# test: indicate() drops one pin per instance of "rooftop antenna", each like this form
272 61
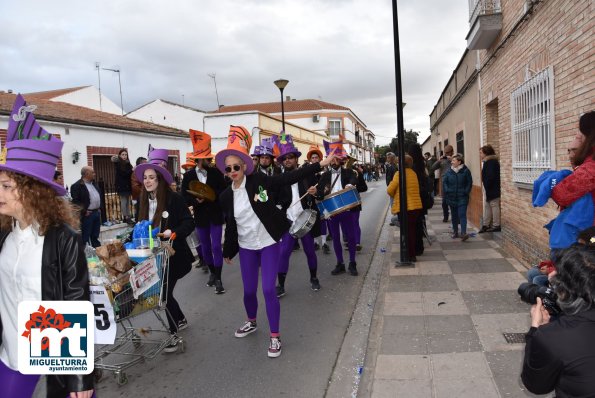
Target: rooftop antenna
99 80
213 76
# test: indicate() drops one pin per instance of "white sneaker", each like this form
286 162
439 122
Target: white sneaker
274 347
246 329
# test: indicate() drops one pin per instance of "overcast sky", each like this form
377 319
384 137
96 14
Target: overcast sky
340 51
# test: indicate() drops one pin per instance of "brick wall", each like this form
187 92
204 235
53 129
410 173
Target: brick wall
558 33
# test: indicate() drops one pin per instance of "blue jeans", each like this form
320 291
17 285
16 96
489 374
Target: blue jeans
535 276
90 226
459 216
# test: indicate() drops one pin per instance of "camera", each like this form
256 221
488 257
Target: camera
530 291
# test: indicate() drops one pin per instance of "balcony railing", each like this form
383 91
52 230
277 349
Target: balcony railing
483 7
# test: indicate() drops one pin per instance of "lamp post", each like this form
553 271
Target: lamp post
281 84
120 84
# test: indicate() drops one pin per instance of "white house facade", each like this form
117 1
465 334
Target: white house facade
170 114
85 96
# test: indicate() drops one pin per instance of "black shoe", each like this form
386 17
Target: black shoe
445 219
358 247
211 281
483 229
316 246
183 324
339 269
280 291
326 249
205 268
315 284
219 289
296 246
353 269
494 229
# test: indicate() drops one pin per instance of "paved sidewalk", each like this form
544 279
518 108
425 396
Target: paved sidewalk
438 327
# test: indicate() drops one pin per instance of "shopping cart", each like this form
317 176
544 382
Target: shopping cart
140 336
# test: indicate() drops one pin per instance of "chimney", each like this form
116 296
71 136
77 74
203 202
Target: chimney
287 98
9 91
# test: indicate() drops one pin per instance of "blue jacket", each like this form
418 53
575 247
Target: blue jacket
457 186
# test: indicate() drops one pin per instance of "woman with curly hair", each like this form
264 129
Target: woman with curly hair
41 255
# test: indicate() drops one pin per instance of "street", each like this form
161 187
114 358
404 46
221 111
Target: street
313 325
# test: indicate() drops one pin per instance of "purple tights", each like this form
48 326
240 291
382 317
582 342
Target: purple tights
210 244
345 221
287 243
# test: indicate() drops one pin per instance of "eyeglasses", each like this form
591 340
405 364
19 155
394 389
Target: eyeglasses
236 167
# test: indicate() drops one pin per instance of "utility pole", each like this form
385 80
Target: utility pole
213 76
120 84
99 80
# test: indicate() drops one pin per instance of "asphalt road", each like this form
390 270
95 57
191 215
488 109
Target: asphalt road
216 364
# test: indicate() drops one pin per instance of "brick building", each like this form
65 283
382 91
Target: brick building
535 66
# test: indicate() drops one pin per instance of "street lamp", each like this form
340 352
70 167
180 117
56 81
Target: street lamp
120 84
281 84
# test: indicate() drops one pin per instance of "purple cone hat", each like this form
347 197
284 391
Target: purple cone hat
158 162
286 147
30 150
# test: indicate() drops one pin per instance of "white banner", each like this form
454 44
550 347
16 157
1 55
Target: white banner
105 320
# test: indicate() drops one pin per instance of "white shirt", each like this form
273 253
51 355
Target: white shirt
152 208
252 234
201 177
294 211
94 199
20 279
337 187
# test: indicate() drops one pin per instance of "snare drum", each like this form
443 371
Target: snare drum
339 202
303 224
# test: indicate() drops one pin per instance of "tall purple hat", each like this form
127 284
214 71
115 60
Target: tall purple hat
158 162
260 150
29 149
286 147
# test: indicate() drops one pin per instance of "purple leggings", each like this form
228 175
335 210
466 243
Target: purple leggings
358 230
210 244
322 226
345 221
268 259
287 243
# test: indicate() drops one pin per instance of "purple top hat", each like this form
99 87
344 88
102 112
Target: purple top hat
260 150
158 162
286 147
30 150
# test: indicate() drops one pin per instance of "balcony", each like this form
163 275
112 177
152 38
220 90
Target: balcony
485 19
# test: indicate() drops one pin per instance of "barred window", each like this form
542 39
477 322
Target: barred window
532 116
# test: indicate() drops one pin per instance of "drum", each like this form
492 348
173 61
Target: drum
202 191
339 202
303 224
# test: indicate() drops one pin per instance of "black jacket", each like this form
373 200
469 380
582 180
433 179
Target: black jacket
80 195
390 172
560 356
490 176
205 213
64 276
274 219
123 183
308 201
324 188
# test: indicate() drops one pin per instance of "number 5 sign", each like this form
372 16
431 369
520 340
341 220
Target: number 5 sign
105 322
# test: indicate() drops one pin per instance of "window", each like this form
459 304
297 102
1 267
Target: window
460 143
334 127
533 127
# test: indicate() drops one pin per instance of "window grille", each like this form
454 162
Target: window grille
532 117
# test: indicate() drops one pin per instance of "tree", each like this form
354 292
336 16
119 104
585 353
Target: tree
381 151
410 138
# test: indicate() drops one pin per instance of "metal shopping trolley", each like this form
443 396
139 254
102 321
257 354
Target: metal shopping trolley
134 296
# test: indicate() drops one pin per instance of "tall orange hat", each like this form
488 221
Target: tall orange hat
201 144
239 142
190 161
314 149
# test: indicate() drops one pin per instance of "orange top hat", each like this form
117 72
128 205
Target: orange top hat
239 142
201 144
190 161
314 149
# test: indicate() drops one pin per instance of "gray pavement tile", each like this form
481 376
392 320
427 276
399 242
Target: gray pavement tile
402 389
403 324
432 256
466 388
403 303
471 254
449 323
459 365
489 281
481 266
494 302
448 342
402 367
506 369
404 344
421 283
490 327
444 303
470 244
433 267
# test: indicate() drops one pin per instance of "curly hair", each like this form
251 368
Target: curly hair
41 205
574 282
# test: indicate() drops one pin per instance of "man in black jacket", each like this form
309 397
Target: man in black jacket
87 195
490 177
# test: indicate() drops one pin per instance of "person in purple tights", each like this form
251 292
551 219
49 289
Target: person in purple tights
208 215
254 227
306 190
330 182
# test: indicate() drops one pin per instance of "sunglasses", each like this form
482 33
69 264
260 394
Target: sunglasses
236 167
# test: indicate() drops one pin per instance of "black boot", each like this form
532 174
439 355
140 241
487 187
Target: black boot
339 269
212 277
353 268
281 286
219 289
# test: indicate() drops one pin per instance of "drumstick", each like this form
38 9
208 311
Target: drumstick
300 199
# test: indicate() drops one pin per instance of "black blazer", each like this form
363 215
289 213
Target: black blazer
308 201
80 195
560 355
324 188
274 219
123 183
205 213
64 276
490 176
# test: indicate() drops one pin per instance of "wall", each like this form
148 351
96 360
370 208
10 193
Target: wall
170 115
557 33
88 97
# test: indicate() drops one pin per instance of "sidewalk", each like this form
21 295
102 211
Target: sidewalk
438 327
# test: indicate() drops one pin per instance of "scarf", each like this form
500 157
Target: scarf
458 168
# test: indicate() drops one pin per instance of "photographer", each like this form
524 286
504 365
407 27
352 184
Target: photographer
560 355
